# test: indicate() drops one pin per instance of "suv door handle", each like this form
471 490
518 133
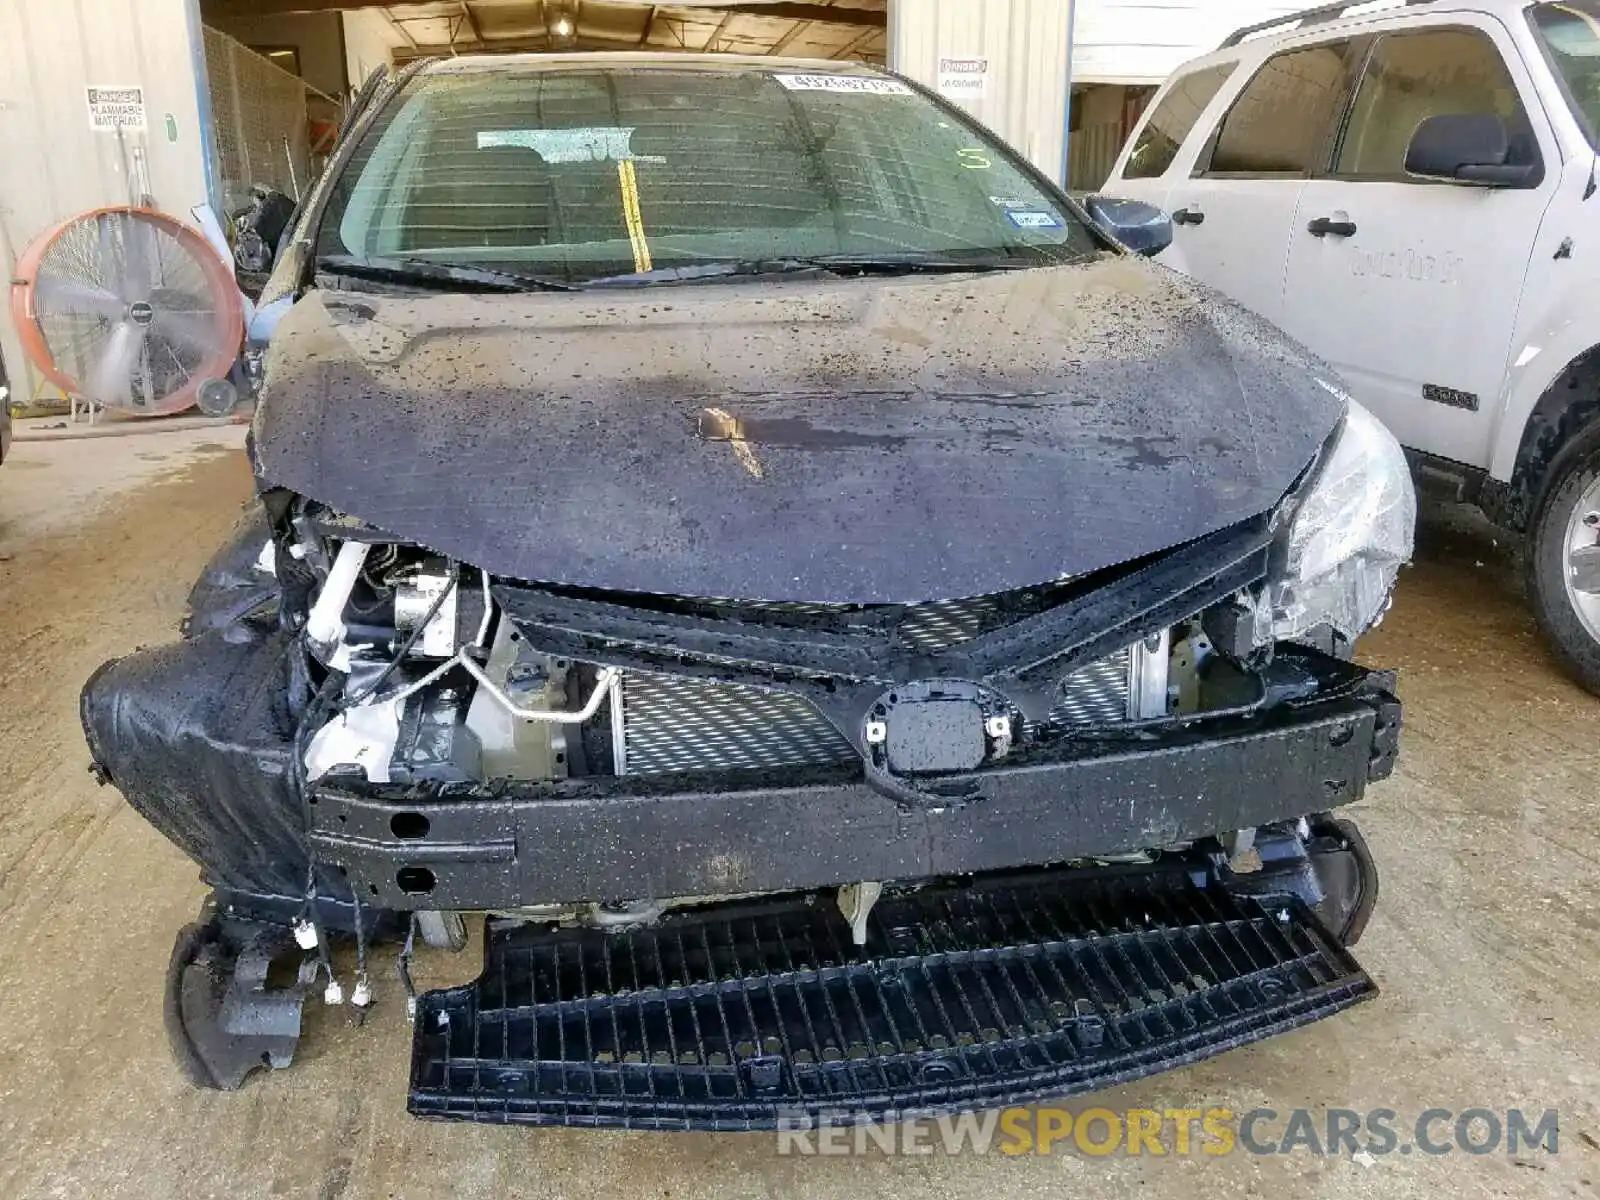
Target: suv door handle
1323 226
1188 216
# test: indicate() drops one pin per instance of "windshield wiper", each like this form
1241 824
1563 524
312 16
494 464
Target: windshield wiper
897 264
830 264
423 272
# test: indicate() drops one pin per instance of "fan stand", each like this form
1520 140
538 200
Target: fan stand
90 409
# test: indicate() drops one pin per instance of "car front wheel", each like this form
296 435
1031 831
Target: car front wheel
1564 562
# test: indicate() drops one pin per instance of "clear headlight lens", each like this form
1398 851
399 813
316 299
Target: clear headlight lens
1349 536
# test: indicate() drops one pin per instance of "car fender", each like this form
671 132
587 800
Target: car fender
1564 332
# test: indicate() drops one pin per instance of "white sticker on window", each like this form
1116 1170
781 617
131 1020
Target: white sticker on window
594 143
844 83
1034 220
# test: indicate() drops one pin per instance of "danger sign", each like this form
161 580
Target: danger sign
964 78
113 108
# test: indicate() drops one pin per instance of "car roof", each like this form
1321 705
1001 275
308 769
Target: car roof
468 64
1335 18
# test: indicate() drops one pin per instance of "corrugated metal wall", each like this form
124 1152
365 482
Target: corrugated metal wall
1026 45
1100 125
1141 41
52 164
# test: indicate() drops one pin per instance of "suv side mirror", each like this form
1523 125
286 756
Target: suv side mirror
1466 148
1142 228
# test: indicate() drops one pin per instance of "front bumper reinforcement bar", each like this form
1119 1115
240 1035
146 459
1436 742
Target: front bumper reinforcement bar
611 839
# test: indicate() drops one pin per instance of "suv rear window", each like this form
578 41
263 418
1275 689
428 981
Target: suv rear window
1173 120
1413 76
583 173
1283 117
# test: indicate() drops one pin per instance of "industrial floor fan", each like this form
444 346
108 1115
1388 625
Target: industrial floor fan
132 310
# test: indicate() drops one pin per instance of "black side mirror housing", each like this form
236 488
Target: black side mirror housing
1467 148
1142 228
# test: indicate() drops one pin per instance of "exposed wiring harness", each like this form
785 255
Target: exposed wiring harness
327 702
402 968
361 994
405 647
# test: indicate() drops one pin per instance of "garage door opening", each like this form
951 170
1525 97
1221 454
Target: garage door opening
281 71
856 30
335 44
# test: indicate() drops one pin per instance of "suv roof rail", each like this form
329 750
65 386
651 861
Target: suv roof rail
1300 20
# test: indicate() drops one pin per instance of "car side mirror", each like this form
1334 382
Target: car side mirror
1142 228
1466 148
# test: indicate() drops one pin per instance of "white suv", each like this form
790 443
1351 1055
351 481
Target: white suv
1411 192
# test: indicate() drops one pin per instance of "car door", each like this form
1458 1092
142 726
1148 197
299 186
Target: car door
1410 287
1232 215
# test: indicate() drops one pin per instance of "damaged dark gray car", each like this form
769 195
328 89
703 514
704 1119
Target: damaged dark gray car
870 641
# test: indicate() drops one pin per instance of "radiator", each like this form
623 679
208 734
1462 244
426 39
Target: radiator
668 723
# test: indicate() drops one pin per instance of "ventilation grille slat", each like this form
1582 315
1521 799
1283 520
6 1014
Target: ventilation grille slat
742 1015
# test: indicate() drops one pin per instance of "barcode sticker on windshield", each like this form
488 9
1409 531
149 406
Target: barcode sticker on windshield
1033 220
844 83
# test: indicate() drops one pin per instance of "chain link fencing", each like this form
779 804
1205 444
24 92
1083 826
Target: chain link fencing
258 113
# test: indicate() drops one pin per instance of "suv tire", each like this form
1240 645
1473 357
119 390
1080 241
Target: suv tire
1574 481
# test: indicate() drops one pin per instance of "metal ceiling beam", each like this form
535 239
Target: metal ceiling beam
533 45
398 27
783 43
276 8
537 44
649 24
472 23
855 43
711 42
835 14
494 45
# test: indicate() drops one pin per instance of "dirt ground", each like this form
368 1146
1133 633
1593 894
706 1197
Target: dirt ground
1486 941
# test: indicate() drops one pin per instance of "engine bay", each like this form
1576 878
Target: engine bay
357 735
433 681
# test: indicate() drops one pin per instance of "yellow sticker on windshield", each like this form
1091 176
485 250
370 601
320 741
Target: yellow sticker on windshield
629 180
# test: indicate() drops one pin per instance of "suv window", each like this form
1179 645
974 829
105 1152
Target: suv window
1413 76
1284 115
1173 120
1570 31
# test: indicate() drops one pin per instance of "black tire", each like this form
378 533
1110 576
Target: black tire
1574 470
192 941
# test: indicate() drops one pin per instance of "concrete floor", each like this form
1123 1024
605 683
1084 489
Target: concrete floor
1485 941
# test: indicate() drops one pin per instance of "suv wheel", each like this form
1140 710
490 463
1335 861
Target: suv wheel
1564 565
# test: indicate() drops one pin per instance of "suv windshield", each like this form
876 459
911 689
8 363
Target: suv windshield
571 174
1570 31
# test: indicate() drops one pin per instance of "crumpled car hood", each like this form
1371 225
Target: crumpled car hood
838 441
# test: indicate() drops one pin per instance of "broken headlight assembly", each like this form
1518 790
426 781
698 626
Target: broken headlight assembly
1348 533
